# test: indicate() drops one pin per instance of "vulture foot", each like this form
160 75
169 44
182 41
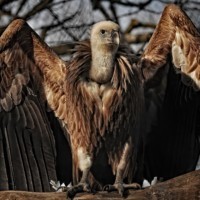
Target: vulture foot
81 187
121 187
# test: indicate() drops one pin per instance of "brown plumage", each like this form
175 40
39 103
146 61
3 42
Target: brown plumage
97 97
170 66
105 105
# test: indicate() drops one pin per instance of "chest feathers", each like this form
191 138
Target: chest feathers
96 106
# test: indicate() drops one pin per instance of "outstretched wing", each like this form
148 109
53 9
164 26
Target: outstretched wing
30 75
172 142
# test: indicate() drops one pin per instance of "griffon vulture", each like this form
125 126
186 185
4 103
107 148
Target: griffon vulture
97 97
170 66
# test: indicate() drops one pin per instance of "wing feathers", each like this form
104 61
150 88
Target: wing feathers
3 169
16 89
13 77
27 68
6 103
26 138
19 179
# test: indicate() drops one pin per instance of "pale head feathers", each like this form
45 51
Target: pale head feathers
104 41
105 34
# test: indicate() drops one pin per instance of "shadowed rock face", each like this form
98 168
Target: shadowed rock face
184 187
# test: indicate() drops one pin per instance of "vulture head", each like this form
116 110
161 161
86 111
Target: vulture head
105 40
105 36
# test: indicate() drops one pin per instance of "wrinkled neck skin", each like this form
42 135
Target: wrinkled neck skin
102 65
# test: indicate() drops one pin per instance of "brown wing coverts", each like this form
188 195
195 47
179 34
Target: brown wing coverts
176 35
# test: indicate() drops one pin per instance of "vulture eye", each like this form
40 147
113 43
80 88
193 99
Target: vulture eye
102 31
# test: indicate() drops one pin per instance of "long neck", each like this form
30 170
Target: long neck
102 66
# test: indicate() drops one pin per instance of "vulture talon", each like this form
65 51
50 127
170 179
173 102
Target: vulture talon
121 187
109 188
132 186
81 187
